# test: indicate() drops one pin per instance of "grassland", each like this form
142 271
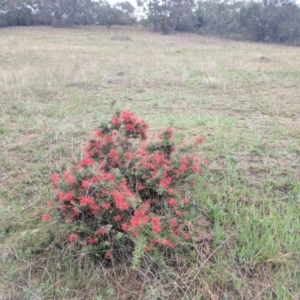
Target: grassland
57 85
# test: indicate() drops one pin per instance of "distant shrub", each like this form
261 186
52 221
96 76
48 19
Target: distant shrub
202 31
127 190
296 42
236 37
164 26
56 22
3 22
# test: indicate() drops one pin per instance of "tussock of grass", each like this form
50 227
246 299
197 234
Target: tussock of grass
58 84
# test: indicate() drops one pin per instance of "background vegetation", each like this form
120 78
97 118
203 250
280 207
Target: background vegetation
267 20
57 85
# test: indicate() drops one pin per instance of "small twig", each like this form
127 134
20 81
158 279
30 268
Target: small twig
19 286
259 294
206 260
55 277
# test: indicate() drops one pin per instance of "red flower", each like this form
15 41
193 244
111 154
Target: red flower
94 208
86 162
47 217
135 221
73 238
62 207
103 164
156 226
100 231
69 178
170 191
139 186
128 116
130 127
195 168
125 226
186 199
128 155
65 196
115 133
112 153
75 212
145 219
55 178
165 182
132 124
140 212
85 183
88 153
115 120
170 132
69 196
184 164
106 205
179 213
159 159
173 202
117 218
92 240
109 254
139 218
147 203
199 140
173 223
120 200
109 177
187 236
149 247
98 133
87 200
166 242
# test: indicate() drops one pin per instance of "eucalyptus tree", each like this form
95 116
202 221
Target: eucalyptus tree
154 10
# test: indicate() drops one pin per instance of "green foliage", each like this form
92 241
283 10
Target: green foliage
139 249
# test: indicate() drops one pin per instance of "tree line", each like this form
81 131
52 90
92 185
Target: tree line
65 13
265 20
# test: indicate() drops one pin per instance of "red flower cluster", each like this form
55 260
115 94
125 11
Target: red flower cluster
156 226
128 183
139 218
47 217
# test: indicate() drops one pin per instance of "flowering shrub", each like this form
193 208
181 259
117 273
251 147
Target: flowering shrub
126 186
